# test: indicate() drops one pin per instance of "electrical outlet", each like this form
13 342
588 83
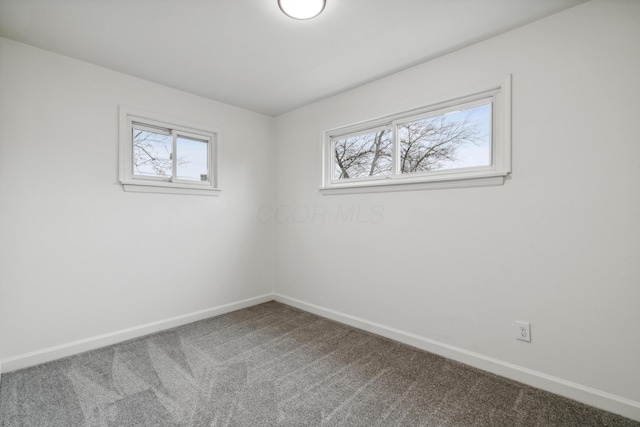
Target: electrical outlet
523 331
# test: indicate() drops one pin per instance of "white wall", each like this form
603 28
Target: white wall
79 257
557 245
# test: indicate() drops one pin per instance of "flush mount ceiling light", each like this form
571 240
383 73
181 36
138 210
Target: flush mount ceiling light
302 9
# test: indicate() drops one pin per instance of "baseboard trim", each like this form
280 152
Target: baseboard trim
59 351
597 398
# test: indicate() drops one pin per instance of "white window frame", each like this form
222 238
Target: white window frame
130 118
497 95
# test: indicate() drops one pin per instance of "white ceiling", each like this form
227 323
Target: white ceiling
249 54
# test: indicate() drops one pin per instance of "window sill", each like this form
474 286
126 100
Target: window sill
137 188
396 185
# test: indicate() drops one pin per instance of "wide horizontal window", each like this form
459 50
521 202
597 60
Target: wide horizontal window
461 142
157 155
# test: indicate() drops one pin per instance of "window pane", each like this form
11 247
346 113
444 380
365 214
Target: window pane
191 159
451 141
367 154
151 153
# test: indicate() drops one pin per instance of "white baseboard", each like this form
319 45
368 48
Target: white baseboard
590 396
76 347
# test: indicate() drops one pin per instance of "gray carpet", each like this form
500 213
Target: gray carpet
273 365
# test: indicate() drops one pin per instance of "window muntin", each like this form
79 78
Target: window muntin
457 143
158 155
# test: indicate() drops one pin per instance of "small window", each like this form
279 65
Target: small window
452 140
363 154
461 142
160 155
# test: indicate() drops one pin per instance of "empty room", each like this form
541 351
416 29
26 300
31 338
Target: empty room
319 213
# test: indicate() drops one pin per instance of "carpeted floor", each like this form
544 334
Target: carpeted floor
273 365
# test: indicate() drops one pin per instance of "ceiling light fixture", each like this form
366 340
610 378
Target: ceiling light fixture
302 9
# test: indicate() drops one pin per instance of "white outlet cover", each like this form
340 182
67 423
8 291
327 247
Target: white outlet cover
523 331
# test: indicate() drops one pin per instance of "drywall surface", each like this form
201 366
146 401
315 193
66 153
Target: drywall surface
558 245
80 257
